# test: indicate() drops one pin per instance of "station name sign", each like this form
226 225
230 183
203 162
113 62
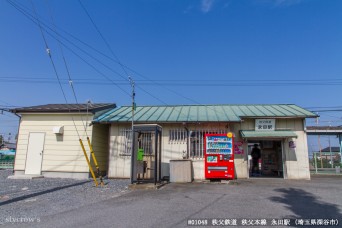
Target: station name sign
265 124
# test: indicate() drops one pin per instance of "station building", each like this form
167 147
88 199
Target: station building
278 129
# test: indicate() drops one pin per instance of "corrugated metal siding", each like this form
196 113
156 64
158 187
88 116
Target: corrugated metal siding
203 113
61 153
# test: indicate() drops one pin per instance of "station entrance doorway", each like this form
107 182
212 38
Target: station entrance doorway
269 163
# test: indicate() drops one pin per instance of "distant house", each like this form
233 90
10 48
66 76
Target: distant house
7 149
48 139
325 153
8 146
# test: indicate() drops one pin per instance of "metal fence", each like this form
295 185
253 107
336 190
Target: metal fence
325 164
5 164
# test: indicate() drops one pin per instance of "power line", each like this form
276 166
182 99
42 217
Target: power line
53 65
49 53
29 16
331 110
63 56
116 57
149 82
103 38
191 83
142 89
68 72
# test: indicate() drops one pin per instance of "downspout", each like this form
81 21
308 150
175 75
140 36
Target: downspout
187 142
16 143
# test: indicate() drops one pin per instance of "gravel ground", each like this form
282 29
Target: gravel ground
48 196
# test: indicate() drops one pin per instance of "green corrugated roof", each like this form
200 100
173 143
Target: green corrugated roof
268 134
202 113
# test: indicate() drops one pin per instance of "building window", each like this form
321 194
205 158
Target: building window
196 147
145 142
125 147
177 136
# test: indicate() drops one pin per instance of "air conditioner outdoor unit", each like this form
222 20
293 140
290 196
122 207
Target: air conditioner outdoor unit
58 130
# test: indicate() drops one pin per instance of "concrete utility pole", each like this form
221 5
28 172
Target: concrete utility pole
132 133
133 100
331 160
340 142
319 142
320 150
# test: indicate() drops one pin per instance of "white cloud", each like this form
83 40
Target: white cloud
206 5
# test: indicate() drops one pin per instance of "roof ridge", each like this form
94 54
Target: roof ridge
175 105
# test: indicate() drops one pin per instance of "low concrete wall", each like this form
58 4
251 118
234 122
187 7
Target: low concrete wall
76 175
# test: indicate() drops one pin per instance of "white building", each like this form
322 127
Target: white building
48 139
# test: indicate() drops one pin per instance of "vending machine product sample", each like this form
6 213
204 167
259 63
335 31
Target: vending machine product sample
219 156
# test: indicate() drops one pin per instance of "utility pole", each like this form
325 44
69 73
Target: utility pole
132 133
319 143
320 150
331 160
133 99
340 142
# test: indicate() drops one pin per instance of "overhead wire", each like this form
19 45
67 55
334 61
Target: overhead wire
53 64
123 66
187 83
67 70
34 20
181 83
103 38
62 52
115 56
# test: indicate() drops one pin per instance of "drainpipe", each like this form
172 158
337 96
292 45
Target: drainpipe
187 142
16 148
340 142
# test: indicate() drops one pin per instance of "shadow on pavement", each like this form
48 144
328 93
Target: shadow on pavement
40 193
306 205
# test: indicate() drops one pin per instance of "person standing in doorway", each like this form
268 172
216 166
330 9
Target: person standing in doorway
256 155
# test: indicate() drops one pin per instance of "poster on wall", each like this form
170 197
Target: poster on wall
238 147
292 145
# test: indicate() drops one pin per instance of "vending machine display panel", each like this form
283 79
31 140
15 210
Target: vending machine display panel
219 156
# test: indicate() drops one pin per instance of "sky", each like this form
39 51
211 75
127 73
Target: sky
177 52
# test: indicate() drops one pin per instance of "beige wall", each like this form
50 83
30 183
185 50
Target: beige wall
119 165
296 163
100 144
296 160
62 153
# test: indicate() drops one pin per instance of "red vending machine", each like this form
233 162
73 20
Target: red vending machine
219 156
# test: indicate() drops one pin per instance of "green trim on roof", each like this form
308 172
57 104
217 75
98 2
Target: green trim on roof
268 134
203 113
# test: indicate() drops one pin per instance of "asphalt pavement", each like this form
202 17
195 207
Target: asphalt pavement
239 202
